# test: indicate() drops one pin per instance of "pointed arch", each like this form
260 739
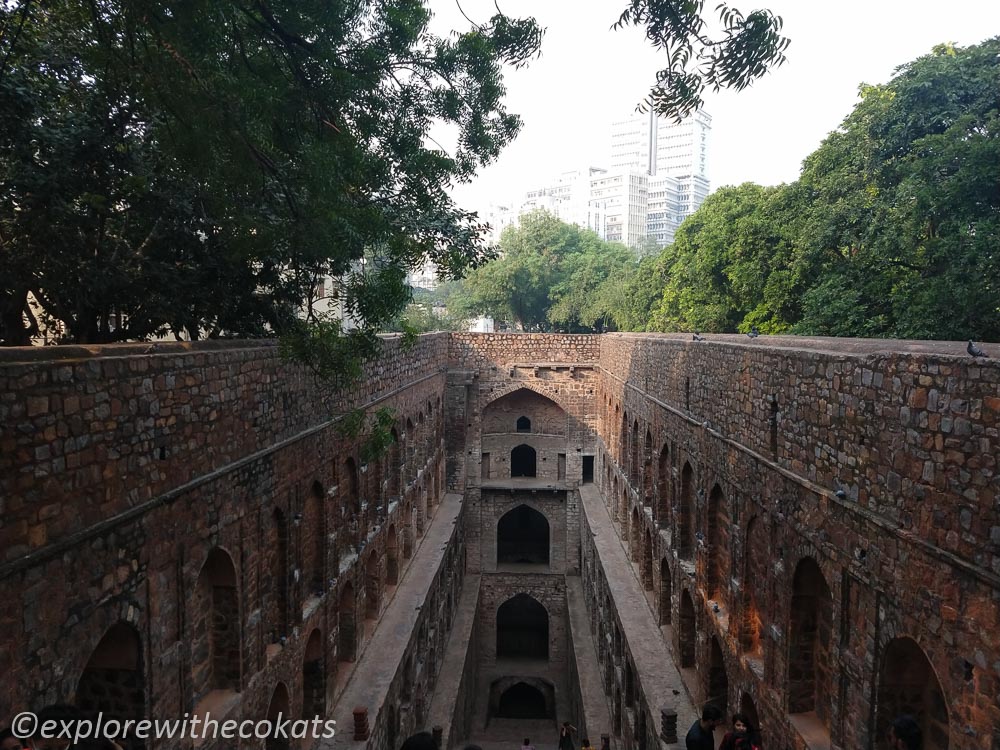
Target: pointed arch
522 628
216 634
313 677
717 543
687 635
647 471
685 515
810 630
663 487
666 592
523 537
112 683
907 684
347 639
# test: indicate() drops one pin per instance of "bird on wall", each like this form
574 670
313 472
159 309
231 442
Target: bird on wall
974 350
754 333
696 337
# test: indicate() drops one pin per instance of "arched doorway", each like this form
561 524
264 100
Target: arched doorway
523 537
685 512
687 634
718 542
809 678
313 677
522 701
718 681
347 630
663 488
666 592
523 461
391 557
522 629
635 543
373 587
215 617
647 561
277 710
523 424
907 685
647 471
112 681
749 709
755 572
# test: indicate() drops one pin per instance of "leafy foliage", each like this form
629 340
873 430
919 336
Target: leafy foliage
377 429
197 168
745 49
549 275
892 230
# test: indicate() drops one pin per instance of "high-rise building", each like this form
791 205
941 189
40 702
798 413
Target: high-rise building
675 156
660 147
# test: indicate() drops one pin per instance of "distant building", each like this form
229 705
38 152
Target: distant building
658 177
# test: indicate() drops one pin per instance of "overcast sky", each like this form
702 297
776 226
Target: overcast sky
589 75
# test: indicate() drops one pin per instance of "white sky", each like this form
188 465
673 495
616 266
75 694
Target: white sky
589 75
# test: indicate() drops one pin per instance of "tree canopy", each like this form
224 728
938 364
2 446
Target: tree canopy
196 168
892 230
549 274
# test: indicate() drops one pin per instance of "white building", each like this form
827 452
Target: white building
675 156
622 196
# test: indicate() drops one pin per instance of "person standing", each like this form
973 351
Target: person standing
700 736
526 745
566 732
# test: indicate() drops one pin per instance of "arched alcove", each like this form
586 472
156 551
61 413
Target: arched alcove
811 626
663 487
633 471
523 537
518 697
687 635
524 410
277 549
685 513
112 682
522 629
666 591
215 627
523 461
908 685
717 543
522 701
373 588
647 561
313 677
278 710
754 575
647 471
717 690
347 625
391 557
313 540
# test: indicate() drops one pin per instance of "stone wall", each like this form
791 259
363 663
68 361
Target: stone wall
872 463
124 470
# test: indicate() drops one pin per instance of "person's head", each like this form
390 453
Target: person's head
420 741
904 734
586 742
741 723
711 716
527 741
565 723
8 741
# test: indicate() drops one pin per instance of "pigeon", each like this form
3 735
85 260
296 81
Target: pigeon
840 493
696 337
754 333
974 350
